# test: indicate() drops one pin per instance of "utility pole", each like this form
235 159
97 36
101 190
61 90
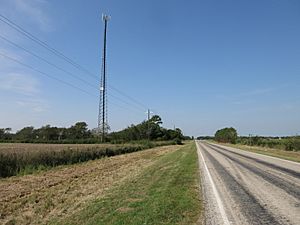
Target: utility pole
148 122
102 116
148 114
250 139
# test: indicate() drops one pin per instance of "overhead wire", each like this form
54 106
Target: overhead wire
61 69
124 107
43 44
129 97
125 102
32 37
55 78
59 54
46 61
43 73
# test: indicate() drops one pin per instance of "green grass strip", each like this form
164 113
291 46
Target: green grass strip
167 192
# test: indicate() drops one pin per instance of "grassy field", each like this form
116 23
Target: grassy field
283 154
167 192
155 186
20 158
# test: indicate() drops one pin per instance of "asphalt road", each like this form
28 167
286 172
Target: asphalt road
240 187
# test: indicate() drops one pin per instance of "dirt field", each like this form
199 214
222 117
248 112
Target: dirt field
35 199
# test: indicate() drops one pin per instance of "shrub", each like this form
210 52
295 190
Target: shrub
226 135
178 141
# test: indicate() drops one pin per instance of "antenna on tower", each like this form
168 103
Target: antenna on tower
105 17
102 116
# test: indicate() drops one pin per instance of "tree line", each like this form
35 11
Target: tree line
47 133
79 133
150 129
229 135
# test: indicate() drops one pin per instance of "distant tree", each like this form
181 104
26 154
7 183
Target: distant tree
226 135
47 133
62 133
150 129
5 134
79 131
205 138
25 134
171 134
156 119
2 132
255 140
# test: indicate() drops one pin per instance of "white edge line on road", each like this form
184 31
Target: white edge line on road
254 153
215 191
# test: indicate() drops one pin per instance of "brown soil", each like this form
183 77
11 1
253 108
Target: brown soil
36 199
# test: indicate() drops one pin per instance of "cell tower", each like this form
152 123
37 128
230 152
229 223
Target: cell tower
102 116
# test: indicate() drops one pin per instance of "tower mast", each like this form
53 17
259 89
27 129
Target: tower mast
102 116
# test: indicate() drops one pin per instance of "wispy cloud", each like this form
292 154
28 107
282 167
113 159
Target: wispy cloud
20 88
19 83
261 91
34 104
249 96
34 10
23 91
6 65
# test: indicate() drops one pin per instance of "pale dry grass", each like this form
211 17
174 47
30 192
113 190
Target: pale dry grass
36 199
9 148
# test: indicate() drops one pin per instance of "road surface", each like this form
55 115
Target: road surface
241 187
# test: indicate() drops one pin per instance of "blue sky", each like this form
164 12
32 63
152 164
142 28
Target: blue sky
200 65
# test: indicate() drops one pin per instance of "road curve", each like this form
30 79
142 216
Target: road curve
241 187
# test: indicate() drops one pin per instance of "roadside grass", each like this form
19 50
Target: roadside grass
283 154
67 189
167 192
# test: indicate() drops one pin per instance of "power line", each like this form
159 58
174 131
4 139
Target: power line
43 44
132 99
43 73
59 54
61 69
57 79
124 107
46 61
125 102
